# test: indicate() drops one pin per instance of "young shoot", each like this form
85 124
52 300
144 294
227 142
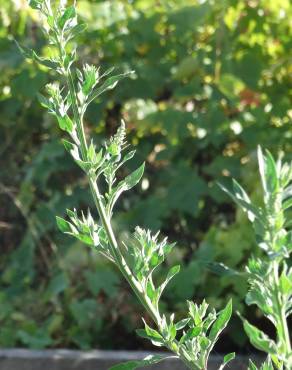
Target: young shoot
270 278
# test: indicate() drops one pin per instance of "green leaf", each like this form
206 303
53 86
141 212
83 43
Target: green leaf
63 225
68 146
74 31
74 151
109 84
104 279
57 285
268 172
255 296
241 198
221 269
31 54
152 332
44 101
221 322
149 333
227 359
84 238
271 173
252 366
287 193
259 339
182 323
286 284
68 14
267 365
261 163
91 77
38 340
230 85
154 340
131 180
132 365
35 4
65 123
287 204
191 333
171 273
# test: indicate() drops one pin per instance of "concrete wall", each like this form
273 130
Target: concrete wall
22 359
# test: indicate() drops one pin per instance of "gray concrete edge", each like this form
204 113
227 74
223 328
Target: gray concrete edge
64 359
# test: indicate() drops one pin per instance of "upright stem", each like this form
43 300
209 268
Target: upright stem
283 333
115 250
116 253
282 327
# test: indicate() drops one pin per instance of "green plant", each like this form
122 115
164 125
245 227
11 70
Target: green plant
192 338
270 279
183 121
267 365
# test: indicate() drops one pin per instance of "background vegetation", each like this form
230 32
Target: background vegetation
213 80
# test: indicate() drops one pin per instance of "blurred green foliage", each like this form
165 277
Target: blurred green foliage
212 80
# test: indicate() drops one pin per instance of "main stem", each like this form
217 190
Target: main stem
119 259
282 327
283 333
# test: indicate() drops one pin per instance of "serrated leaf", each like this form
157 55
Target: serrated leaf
259 339
132 365
221 322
